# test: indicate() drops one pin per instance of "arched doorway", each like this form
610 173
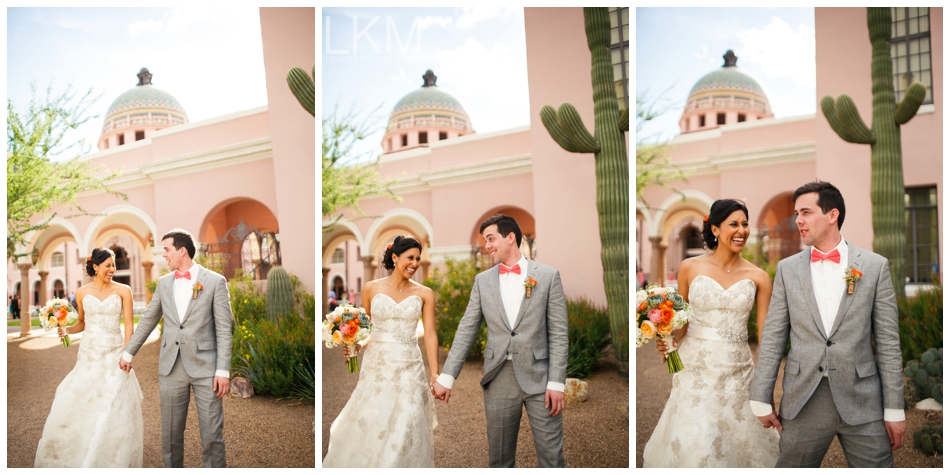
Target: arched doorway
341 256
529 240
241 234
777 229
59 290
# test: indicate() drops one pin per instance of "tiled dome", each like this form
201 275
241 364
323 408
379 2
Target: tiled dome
145 99
728 81
429 106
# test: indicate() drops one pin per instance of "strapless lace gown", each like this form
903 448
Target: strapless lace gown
96 417
707 421
389 419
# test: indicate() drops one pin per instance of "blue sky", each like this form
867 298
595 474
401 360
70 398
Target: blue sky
677 46
210 59
478 55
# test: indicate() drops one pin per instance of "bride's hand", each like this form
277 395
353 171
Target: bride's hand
62 333
662 348
347 353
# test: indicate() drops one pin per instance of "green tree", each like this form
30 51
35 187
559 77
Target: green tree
347 177
653 164
35 181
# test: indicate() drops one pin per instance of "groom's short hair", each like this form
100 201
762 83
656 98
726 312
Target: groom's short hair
829 197
181 239
506 225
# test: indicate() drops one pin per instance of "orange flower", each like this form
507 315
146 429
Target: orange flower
664 328
642 306
856 273
353 330
666 315
648 329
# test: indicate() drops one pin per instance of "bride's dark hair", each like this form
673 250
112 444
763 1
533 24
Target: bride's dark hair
718 212
399 245
97 257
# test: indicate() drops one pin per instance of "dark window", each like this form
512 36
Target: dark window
921 233
121 139
720 119
910 50
702 121
620 53
338 257
423 137
139 135
741 117
443 135
405 140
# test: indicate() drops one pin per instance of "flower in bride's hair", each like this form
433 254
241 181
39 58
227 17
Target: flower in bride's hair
664 328
648 329
654 315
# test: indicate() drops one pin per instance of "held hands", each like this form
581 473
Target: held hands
125 365
554 400
441 392
895 432
771 420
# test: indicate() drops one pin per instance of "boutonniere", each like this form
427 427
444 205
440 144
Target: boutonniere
851 276
197 288
529 284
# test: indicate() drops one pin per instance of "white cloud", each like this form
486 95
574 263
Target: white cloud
780 51
429 20
474 15
151 26
702 55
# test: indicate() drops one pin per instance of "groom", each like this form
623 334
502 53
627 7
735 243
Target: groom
526 354
833 384
196 349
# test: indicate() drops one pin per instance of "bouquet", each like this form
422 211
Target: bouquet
57 313
660 310
347 325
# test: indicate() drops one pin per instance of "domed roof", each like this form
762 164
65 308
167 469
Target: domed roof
728 81
145 99
419 107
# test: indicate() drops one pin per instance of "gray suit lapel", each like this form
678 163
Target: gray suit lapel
494 290
525 301
202 276
854 260
809 289
168 292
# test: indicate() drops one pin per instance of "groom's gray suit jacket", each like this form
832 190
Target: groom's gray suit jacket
860 385
201 337
538 341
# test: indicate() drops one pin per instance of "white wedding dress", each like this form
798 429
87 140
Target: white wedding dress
389 418
707 421
96 418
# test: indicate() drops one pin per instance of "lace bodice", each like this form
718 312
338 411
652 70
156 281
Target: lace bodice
718 308
102 316
398 319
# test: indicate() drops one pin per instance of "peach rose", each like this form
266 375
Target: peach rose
648 329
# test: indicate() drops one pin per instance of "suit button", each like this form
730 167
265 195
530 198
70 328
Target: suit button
821 368
512 333
507 353
181 327
829 343
176 342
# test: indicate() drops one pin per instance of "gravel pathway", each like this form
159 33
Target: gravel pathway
258 432
596 432
653 389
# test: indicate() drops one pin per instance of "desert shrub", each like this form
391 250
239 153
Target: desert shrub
452 286
920 322
588 333
755 254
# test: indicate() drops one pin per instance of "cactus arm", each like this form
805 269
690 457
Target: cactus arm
828 109
624 122
849 117
571 123
303 87
549 119
907 109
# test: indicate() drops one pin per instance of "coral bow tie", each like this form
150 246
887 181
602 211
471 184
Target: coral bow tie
514 270
833 256
186 275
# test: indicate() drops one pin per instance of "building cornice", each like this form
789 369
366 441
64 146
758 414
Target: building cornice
717 163
416 152
499 167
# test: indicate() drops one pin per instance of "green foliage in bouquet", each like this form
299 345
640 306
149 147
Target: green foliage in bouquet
926 375
588 333
921 321
930 439
453 286
280 294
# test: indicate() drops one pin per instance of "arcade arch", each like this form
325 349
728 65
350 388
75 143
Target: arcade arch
528 234
240 233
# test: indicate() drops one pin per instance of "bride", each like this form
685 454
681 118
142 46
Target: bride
96 417
707 421
389 419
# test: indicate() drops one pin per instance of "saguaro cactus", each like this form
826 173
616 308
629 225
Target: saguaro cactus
884 137
303 87
610 164
280 294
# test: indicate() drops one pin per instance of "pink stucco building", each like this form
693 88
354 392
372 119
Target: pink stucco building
242 183
455 178
763 161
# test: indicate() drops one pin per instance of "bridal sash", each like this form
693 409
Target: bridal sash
393 338
716 334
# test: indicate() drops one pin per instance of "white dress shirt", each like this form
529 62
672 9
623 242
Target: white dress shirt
512 290
828 284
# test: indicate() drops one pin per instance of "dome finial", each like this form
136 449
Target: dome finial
730 59
429 78
145 77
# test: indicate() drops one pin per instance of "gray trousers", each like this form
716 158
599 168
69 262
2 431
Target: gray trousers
503 401
806 438
175 394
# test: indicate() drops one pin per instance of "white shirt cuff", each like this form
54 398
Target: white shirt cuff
760 409
126 356
445 380
893 415
222 374
555 386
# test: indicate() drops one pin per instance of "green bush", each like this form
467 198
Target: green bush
452 286
930 439
921 322
754 254
588 333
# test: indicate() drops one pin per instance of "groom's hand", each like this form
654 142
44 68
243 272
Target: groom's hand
221 386
441 392
771 420
895 432
125 365
554 400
